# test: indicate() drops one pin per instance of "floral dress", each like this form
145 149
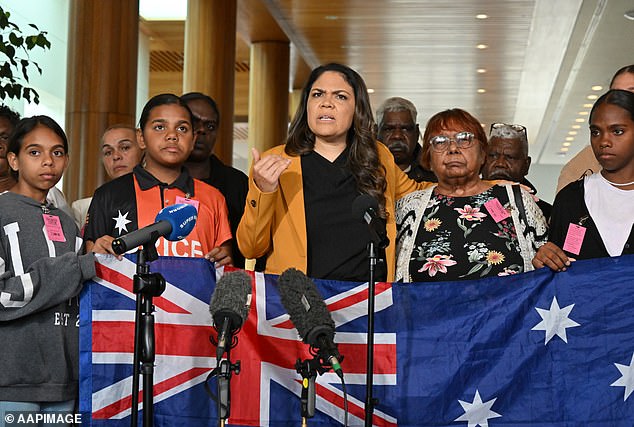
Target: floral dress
461 238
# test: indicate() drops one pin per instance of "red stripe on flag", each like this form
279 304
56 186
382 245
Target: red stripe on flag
353 409
355 357
171 340
124 404
124 282
358 297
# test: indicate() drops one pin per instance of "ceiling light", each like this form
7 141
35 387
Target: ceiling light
587 105
580 120
583 113
629 15
570 138
482 16
482 46
572 132
163 10
481 90
576 127
566 144
370 90
593 97
563 149
481 70
597 87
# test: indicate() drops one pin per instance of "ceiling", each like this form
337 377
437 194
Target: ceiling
539 63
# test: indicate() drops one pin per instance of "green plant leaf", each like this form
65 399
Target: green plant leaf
14 71
16 40
25 64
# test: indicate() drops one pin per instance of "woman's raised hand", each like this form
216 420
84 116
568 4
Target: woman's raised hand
267 170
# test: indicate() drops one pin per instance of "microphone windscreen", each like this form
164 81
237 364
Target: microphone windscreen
362 203
231 298
305 305
182 217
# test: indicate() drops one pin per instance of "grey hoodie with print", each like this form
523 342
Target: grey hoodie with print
40 279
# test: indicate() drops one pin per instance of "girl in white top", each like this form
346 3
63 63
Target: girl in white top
592 217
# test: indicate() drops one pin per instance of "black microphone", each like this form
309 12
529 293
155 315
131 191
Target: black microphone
309 314
229 306
174 222
366 208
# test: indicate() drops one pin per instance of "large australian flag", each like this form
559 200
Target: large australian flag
539 349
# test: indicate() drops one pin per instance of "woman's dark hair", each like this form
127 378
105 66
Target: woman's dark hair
620 98
162 99
627 69
454 119
363 158
25 126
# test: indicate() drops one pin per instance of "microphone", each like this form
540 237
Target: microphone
229 306
173 222
309 314
366 208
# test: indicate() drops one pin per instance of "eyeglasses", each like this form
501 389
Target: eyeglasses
441 143
516 128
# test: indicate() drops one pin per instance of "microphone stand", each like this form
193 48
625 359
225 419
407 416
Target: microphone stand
146 285
224 390
223 371
308 369
369 400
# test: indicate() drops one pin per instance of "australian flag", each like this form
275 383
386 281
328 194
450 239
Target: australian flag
539 349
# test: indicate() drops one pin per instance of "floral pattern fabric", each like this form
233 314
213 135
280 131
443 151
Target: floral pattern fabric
458 239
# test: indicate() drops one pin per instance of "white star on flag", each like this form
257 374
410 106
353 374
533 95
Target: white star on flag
121 222
555 321
627 378
477 413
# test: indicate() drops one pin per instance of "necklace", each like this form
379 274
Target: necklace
625 184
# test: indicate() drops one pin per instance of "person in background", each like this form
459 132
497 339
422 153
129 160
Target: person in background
585 162
299 206
207 167
592 217
507 158
398 130
8 120
120 153
42 274
132 201
464 228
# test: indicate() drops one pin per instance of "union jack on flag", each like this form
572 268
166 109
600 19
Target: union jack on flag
267 390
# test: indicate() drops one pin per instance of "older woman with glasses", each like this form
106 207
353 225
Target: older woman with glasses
463 227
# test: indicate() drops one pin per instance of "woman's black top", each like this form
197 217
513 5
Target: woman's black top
337 241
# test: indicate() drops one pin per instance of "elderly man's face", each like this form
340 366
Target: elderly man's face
505 159
400 134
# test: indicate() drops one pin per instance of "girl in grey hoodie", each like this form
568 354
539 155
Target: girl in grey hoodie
41 275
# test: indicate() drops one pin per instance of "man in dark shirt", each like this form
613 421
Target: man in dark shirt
507 158
205 166
398 130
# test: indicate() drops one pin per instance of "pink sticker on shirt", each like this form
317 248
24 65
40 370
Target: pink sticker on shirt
574 239
54 228
181 199
496 210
